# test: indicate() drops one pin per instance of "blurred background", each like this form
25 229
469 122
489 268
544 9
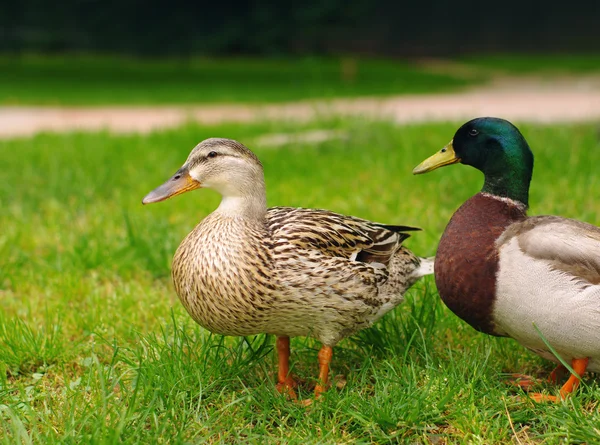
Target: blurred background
522 60
269 27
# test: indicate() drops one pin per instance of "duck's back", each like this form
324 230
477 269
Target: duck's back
467 260
347 271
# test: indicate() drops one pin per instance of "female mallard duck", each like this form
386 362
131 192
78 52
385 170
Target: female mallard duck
246 269
535 279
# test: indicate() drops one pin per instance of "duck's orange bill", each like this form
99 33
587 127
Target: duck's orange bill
179 183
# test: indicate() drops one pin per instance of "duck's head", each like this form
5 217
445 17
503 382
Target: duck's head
224 165
494 146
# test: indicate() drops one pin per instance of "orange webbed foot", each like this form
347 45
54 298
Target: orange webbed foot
538 397
579 365
523 381
288 387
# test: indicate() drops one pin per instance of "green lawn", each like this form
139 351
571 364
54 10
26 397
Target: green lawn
86 80
95 347
94 80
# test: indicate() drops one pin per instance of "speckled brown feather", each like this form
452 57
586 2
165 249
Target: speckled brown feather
336 235
467 258
293 273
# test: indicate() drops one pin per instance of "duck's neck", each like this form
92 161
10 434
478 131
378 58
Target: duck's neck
246 197
507 187
243 206
509 181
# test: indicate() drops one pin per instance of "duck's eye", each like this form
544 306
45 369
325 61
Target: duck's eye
473 132
212 154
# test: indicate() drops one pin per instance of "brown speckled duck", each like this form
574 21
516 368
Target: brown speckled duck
246 269
535 279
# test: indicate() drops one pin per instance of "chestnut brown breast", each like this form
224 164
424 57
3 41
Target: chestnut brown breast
467 260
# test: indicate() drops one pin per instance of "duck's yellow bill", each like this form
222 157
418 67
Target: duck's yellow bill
179 183
445 156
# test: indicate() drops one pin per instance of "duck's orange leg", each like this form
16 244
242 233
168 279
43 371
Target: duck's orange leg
286 383
324 357
579 365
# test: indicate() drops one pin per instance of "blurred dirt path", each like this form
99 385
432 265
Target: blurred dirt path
536 100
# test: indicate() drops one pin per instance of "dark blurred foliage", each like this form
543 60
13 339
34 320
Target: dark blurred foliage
416 28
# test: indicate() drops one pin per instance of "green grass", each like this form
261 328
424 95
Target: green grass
80 80
93 80
95 347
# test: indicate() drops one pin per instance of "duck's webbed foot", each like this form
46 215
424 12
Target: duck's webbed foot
523 381
579 365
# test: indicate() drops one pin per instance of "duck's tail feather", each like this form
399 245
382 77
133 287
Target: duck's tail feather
425 268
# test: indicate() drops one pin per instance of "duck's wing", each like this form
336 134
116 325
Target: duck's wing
336 235
566 244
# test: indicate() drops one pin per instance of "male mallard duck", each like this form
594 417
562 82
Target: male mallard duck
246 269
508 274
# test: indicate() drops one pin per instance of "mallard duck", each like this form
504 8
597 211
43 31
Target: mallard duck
248 269
535 279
